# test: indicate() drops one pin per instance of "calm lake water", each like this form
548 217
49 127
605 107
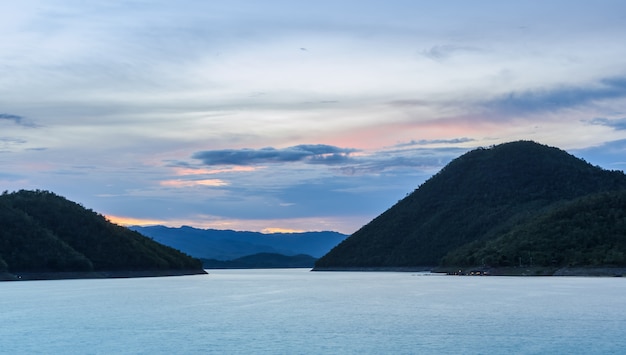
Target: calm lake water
300 312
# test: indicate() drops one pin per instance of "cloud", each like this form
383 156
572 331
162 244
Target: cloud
397 166
18 120
399 159
434 141
6 143
374 166
186 170
191 183
443 52
402 160
617 124
9 176
11 140
560 98
8 117
308 153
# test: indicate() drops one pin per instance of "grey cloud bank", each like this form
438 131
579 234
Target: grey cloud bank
618 124
561 97
318 154
18 120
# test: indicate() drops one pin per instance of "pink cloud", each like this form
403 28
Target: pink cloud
191 183
202 171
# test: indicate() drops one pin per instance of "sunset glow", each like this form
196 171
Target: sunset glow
191 183
131 221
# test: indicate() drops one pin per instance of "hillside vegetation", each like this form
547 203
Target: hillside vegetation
45 233
489 206
590 231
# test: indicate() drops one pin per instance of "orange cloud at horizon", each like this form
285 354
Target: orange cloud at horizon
346 225
132 221
271 230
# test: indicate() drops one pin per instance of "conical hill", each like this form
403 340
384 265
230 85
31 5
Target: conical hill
478 196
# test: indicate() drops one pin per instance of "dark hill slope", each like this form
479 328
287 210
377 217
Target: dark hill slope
26 246
477 196
43 232
589 231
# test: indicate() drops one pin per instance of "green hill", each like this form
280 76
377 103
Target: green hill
480 197
589 231
44 235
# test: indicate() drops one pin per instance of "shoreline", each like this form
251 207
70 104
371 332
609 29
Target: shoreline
70 275
487 271
376 269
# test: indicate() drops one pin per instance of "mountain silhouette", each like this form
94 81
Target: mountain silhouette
44 235
483 195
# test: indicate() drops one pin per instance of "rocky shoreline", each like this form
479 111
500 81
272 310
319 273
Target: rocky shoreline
545 271
486 271
614 271
27 276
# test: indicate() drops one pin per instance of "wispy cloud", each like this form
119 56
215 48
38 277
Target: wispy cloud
6 143
415 155
445 51
558 98
10 177
184 171
12 140
434 141
402 160
191 183
18 120
618 124
308 153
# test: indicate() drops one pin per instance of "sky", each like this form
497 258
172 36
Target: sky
293 115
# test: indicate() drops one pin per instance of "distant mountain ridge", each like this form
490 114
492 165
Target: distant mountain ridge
228 244
477 198
44 235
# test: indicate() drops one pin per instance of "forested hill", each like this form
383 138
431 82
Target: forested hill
479 197
45 234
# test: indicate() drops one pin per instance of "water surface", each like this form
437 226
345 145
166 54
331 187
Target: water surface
300 312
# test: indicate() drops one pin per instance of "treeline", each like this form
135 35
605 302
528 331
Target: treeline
43 232
480 197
